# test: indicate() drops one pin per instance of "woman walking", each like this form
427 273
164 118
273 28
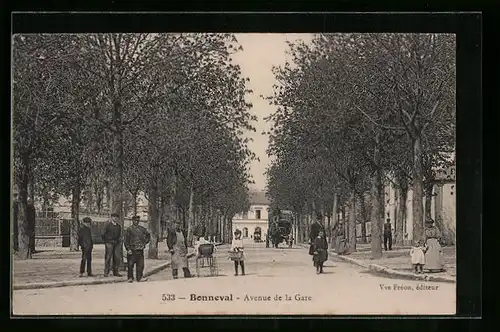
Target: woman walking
434 254
320 252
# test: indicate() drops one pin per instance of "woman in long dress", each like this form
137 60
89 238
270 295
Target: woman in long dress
340 241
434 260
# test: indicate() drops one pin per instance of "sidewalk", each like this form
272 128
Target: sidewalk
397 263
57 267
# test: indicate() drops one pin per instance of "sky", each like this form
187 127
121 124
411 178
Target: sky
260 53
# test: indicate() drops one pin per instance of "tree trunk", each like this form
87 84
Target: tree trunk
364 217
134 202
23 251
153 221
190 217
418 218
75 216
401 218
352 221
428 200
376 194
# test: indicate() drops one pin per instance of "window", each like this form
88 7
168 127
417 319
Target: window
257 214
245 232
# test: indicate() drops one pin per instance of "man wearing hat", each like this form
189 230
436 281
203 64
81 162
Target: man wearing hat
86 244
111 237
177 245
135 240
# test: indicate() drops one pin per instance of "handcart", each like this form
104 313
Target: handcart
207 259
235 255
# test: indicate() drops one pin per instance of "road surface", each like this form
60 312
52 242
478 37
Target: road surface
277 281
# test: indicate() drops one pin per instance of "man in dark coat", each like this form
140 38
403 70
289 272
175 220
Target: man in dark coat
135 240
388 234
86 244
112 242
316 227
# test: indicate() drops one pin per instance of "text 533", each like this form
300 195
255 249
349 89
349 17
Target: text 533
168 297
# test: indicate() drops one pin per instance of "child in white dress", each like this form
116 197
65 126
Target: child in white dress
237 245
417 253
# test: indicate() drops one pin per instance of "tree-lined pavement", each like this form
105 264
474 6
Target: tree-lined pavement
343 289
55 267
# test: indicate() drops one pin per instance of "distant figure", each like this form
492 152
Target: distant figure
341 247
135 240
237 245
417 253
86 244
112 244
177 245
320 252
434 255
290 240
388 234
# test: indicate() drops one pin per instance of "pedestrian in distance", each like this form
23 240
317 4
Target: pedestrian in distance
86 244
135 240
388 234
237 246
177 246
341 245
112 244
320 252
417 253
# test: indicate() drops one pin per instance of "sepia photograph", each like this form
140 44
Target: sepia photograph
233 174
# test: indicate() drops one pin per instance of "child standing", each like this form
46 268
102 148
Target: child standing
417 254
237 245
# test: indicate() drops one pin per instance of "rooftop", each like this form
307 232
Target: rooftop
258 198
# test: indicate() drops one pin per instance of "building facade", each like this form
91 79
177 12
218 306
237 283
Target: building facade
256 217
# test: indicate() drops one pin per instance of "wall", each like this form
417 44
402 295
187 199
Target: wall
264 214
251 224
443 203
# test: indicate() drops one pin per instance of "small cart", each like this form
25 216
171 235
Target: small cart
207 259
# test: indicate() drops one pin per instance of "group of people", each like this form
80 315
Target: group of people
135 239
426 251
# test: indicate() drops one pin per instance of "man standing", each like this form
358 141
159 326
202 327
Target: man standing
316 227
111 237
86 244
388 234
177 245
136 237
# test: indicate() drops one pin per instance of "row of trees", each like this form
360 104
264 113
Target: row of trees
124 114
356 111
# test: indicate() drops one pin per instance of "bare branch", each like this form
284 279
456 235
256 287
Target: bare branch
376 123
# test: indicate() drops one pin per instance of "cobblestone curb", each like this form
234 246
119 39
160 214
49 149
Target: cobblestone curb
391 272
109 280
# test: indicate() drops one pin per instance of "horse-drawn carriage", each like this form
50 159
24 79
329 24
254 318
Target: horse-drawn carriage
257 235
280 227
